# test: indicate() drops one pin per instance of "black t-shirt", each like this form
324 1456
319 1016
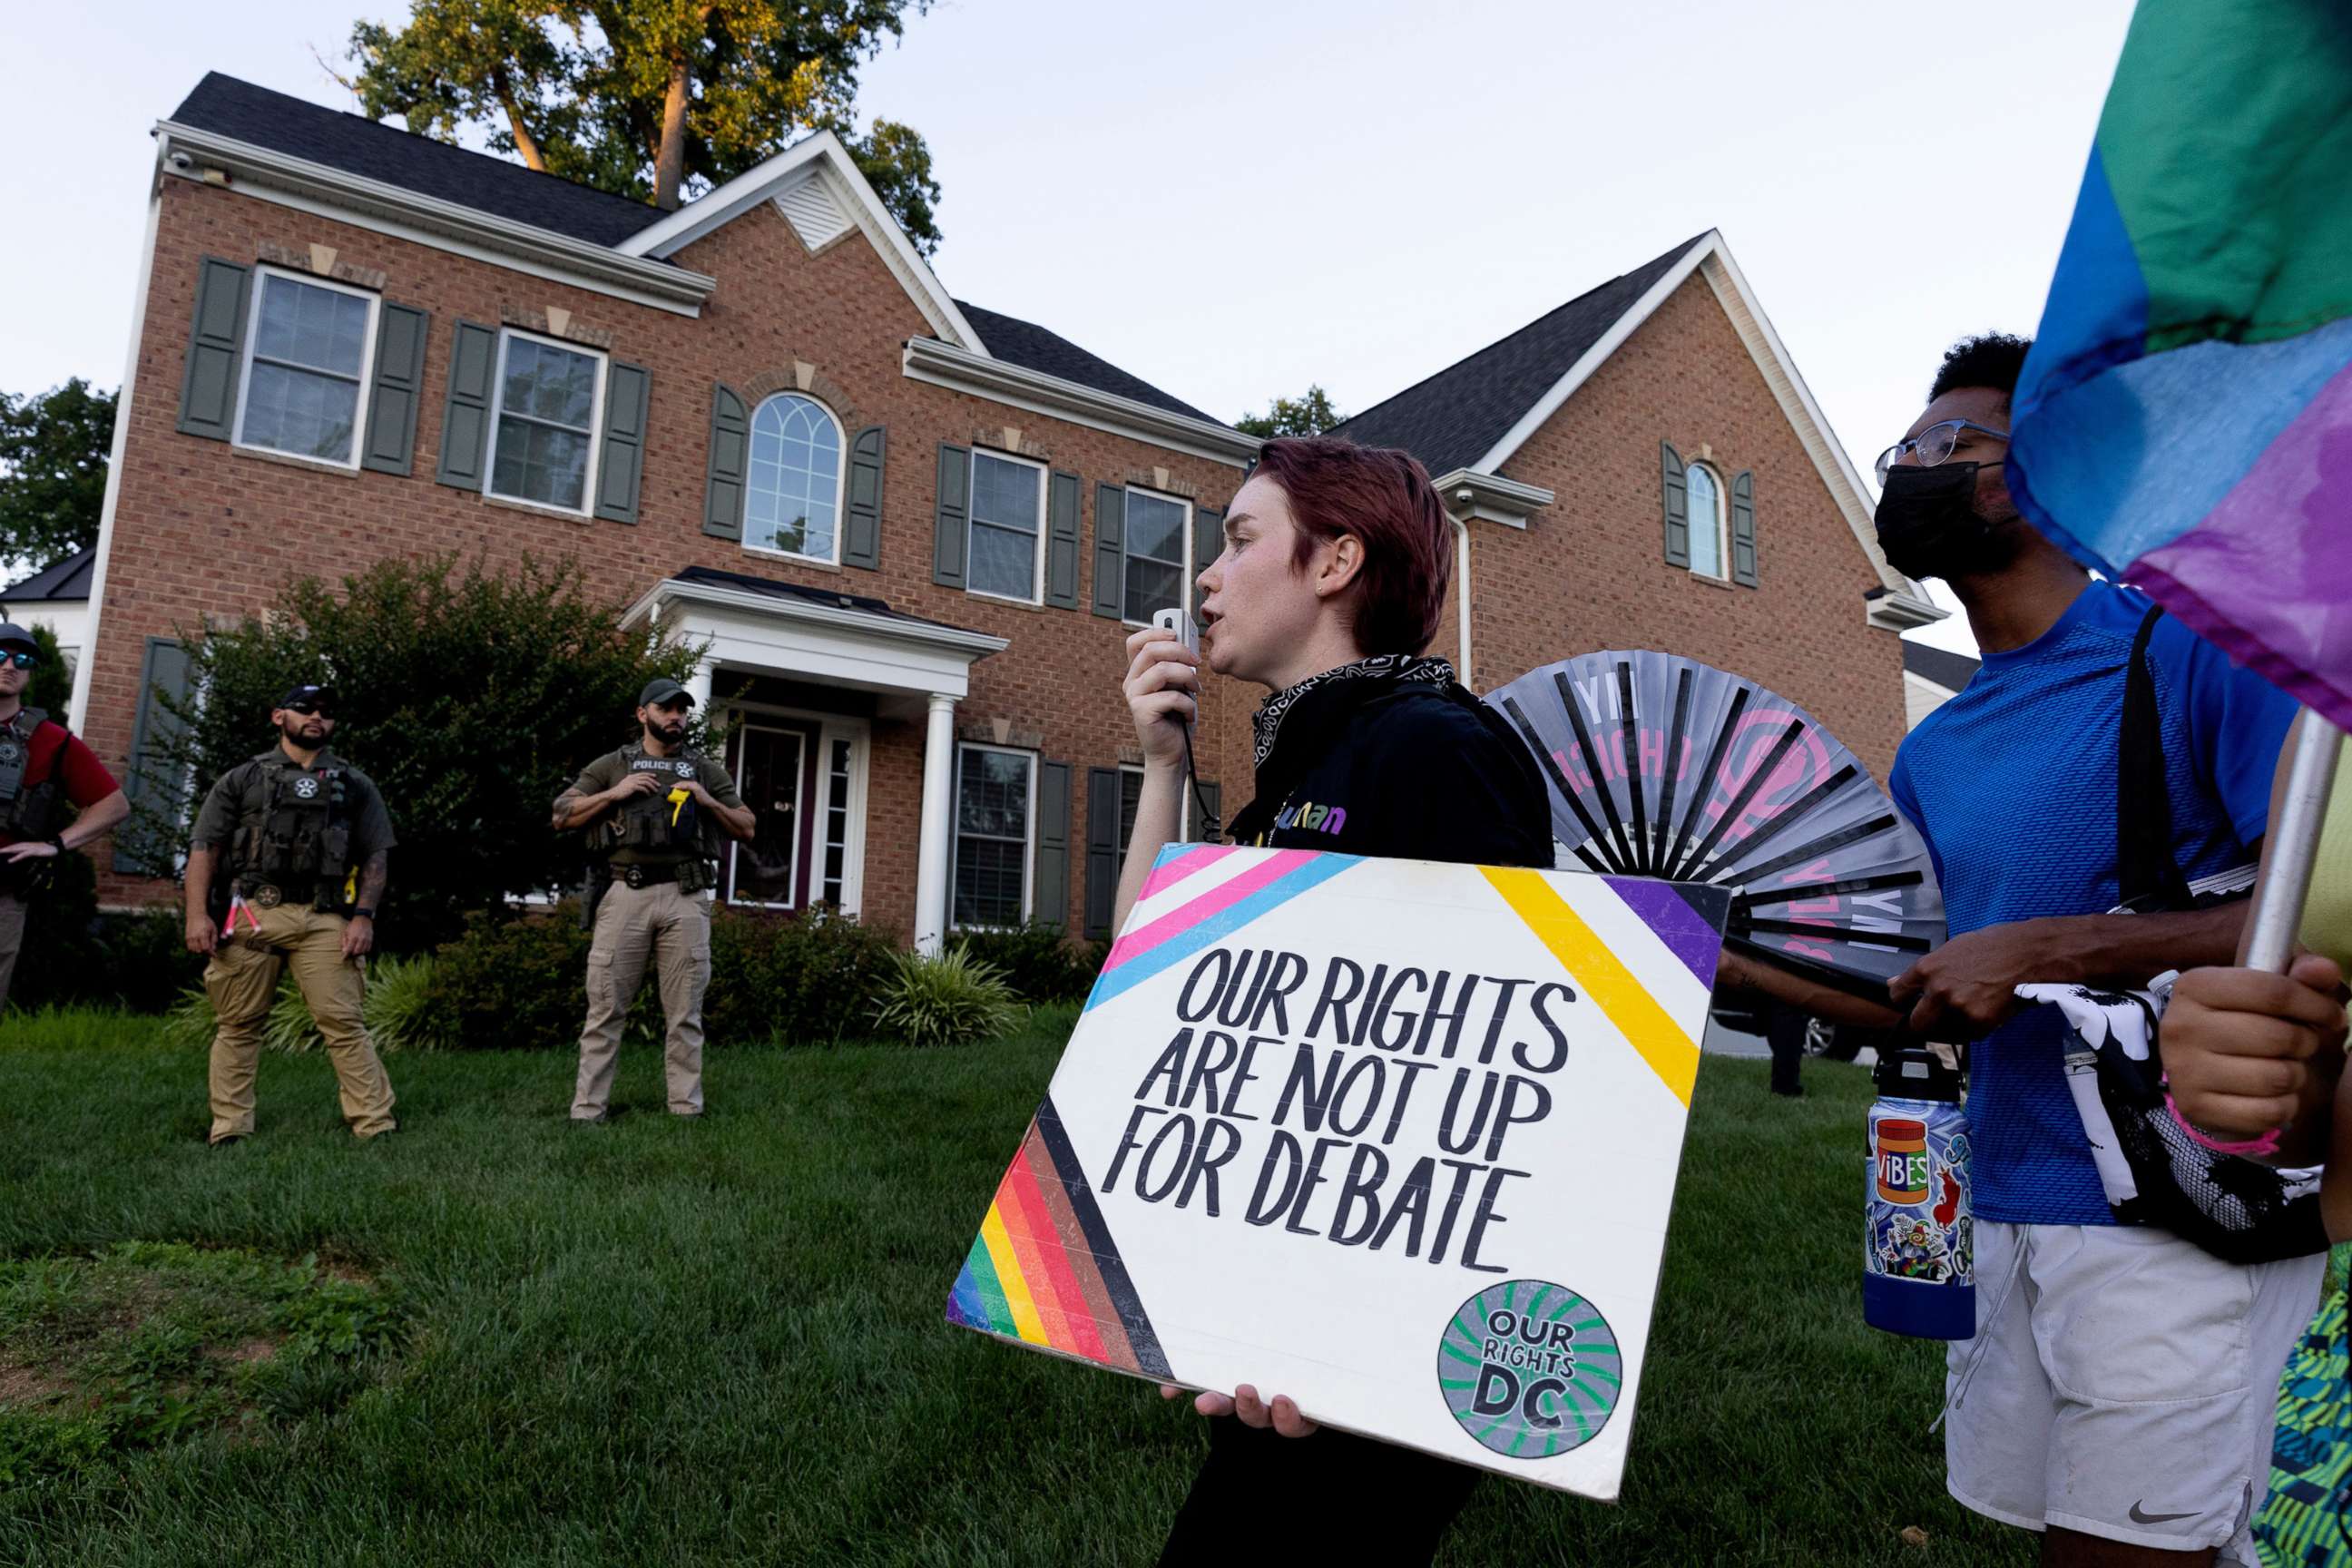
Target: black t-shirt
1406 771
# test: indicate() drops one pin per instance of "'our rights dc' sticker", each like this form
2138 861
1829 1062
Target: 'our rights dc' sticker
1530 1369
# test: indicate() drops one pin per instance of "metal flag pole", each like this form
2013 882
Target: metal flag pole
2294 844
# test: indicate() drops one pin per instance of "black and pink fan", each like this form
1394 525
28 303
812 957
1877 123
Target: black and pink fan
1661 766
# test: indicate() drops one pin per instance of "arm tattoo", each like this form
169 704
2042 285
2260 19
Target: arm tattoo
372 877
567 807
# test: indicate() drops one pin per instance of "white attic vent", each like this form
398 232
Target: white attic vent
813 210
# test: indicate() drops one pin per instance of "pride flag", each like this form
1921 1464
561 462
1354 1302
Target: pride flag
2185 421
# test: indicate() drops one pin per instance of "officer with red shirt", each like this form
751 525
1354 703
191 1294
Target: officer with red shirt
43 767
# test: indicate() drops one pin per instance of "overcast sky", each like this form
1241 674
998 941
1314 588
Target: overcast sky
1232 198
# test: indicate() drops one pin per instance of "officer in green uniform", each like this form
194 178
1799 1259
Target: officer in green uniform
289 863
657 816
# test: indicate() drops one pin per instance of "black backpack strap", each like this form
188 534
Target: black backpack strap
2143 864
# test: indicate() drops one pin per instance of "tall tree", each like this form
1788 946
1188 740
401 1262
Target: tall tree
649 99
54 446
1309 413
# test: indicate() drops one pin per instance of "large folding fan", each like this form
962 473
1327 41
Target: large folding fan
1661 766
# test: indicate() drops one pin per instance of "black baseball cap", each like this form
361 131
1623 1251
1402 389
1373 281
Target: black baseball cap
14 635
323 696
661 692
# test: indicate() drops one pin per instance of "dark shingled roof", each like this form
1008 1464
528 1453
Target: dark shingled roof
1947 669
829 597
68 579
1454 418
360 146
1031 347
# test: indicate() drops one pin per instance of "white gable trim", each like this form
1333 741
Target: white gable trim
1018 386
1903 604
823 155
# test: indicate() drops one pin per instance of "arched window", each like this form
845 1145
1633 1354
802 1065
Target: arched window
1707 522
792 501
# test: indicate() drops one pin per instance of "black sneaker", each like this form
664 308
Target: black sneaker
225 1140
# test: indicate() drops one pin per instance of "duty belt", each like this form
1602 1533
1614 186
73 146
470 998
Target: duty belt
653 875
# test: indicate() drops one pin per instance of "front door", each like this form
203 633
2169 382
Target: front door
775 769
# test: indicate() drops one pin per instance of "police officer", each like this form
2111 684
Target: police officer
657 815
43 766
287 865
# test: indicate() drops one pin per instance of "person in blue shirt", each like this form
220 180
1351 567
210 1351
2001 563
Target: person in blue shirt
2117 1394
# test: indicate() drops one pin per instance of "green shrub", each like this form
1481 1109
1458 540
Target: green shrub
1039 962
950 1000
803 977
399 1010
513 984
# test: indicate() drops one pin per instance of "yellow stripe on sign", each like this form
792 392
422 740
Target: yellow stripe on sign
1025 1320
1672 1054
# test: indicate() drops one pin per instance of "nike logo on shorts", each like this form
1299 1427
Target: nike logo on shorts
2139 1517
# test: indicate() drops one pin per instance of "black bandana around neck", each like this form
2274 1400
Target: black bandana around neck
1397 668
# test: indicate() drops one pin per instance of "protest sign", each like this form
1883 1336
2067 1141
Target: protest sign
1395 1138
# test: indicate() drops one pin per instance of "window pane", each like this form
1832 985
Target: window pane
551 383
992 837
297 411
795 478
322 329
993 794
1155 528
1705 523
1130 797
538 463
988 882
1004 494
1002 562
771 788
1151 588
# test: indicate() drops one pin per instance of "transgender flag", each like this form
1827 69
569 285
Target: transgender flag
2185 421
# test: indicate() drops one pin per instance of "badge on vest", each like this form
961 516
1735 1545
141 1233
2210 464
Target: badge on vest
306 788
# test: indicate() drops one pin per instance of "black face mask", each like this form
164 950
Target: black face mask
1928 525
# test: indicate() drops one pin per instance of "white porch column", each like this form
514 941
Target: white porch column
698 686
937 838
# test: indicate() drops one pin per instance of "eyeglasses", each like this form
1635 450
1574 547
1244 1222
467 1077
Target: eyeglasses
1934 444
306 705
21 660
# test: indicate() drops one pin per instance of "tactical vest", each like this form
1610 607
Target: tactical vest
28 808
302 843
659 823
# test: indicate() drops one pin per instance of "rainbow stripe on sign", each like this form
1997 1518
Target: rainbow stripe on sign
1044 1268
1219 908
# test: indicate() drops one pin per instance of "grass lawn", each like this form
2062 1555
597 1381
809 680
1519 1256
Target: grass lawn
664 1343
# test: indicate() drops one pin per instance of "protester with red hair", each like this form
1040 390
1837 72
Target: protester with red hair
1330 587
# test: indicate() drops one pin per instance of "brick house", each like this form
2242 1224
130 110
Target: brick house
910 532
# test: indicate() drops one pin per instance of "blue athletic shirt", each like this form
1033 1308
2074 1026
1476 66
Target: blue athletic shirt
2012 783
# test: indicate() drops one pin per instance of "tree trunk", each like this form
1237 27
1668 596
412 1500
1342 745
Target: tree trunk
670 162
525 143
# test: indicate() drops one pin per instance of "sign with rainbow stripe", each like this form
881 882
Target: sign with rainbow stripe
1397 1139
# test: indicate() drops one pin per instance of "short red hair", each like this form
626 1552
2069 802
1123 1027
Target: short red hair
1384 498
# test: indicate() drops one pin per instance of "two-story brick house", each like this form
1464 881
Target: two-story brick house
910 533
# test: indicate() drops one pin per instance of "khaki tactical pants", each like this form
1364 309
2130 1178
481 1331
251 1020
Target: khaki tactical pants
242 981
673 929
12 937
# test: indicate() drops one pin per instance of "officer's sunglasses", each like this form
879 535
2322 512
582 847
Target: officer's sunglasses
309 705
22 660
1934 444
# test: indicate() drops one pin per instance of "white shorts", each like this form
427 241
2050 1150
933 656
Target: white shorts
2122 1382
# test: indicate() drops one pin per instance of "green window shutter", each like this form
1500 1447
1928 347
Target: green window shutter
146 845
216 344
951 527
628 390
466 415
731 445
861 543
1213 797
1676 486
1110 551
399 389
1050 903
1062 542
1743 529
1102 850
1208 544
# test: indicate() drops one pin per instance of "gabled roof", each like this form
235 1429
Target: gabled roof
1030 345
1939 666
828 597
1453 420
66 579
360 146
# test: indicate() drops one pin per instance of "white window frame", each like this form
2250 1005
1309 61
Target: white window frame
840 482
587 507
1028 838
1184 567
261 275
972 520
1721 522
